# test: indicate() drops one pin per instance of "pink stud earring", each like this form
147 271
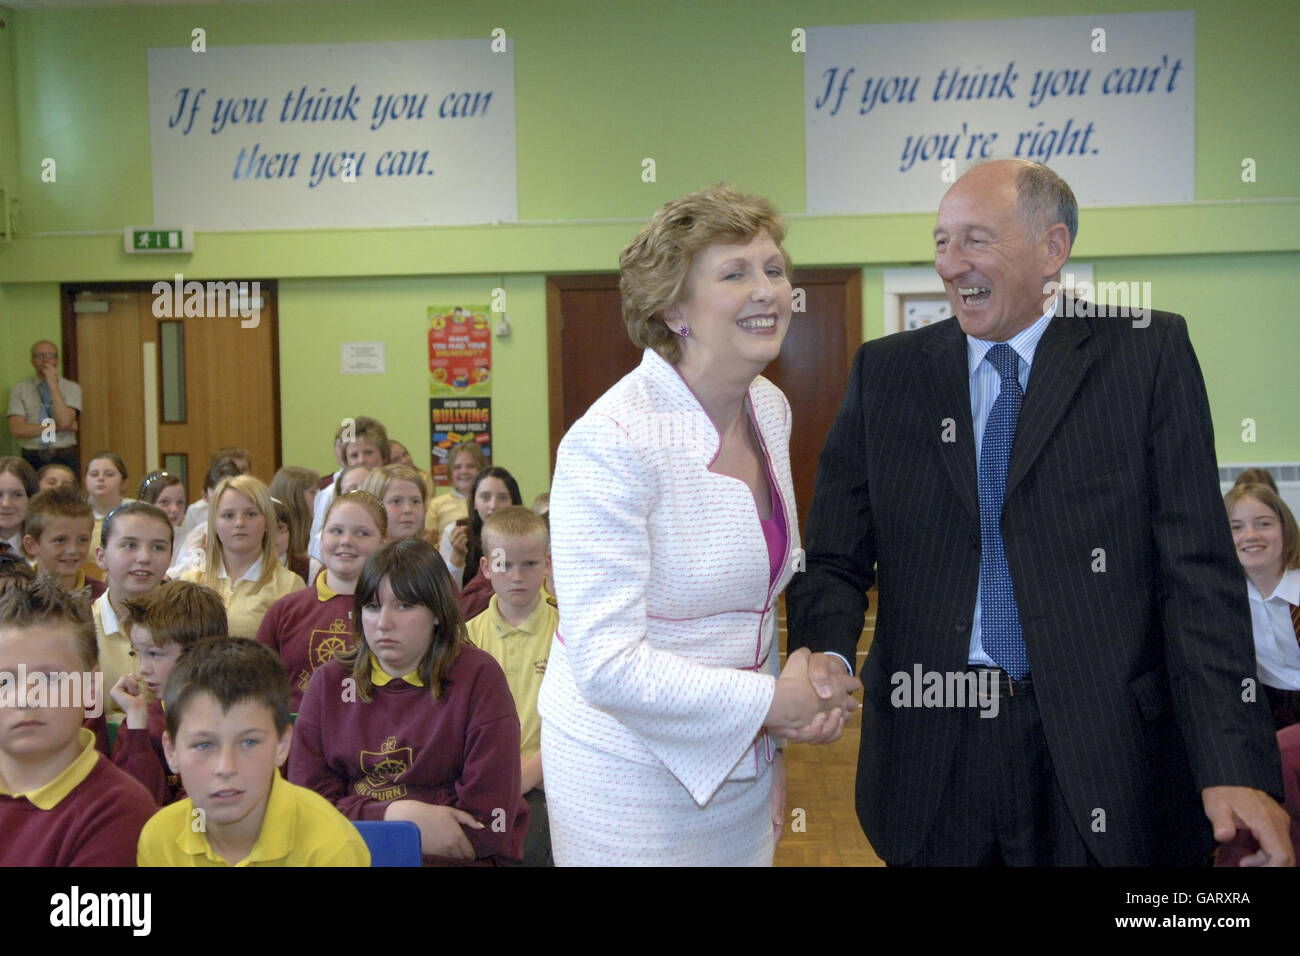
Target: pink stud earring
684 331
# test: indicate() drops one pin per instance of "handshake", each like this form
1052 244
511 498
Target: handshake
813 698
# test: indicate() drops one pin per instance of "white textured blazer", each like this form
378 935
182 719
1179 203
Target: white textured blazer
666 650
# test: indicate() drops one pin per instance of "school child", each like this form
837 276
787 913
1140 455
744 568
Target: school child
192 549
14 572
364 441
242 565
227 732
61 802
134 556
297 488
56 536
516 629
464 461
401 491
490 489
55 475
167 491
314 625
219 466
105 477
369 445
413 723
161 625
17 484
1268 547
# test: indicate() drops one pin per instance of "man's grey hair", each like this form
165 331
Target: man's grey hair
1043 199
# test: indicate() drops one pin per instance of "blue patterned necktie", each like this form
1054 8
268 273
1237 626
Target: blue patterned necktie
1000 631
47 399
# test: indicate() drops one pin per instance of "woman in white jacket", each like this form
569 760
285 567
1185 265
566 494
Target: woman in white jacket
673 534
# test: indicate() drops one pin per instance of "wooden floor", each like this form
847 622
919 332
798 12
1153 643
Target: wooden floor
821 785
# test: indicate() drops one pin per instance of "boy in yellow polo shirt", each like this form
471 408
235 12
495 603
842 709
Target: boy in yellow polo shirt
516 629
227 704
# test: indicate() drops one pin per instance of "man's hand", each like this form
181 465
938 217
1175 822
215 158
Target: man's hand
832 685
1233 808
49 370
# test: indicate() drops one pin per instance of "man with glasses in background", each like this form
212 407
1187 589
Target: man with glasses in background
43 412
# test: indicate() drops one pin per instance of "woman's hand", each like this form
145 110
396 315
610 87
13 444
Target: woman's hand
796 703
441 828
777 800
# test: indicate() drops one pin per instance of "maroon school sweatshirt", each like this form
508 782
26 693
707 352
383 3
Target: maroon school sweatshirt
461 750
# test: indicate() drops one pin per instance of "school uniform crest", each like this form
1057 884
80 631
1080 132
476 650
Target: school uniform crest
323 646
382 770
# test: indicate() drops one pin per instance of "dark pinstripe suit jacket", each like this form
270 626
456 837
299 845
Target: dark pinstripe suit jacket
1138 669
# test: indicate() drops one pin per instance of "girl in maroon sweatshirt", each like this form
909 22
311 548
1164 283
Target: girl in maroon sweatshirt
413 723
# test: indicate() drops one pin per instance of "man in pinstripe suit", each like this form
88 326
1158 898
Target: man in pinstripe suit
1100 598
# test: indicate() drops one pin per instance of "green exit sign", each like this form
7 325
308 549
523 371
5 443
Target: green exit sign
154 239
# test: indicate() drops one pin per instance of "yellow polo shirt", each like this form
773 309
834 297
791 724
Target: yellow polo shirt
301 828
50 795
246 603
442 511
522 653
116 655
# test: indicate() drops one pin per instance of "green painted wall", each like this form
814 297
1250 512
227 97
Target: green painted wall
710 90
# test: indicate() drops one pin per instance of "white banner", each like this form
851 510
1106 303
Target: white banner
892 112
364 134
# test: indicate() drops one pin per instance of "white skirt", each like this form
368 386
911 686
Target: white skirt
607 811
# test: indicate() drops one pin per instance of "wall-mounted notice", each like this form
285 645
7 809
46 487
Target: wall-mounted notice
893 111
355 135
364 358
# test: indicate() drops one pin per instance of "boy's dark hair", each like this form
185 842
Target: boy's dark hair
418 575
232 670
44 602
220 468
15 571
115 516
179 612
60 502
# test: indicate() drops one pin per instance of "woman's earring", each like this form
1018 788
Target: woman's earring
684 331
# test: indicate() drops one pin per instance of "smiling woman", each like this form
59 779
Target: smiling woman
661 686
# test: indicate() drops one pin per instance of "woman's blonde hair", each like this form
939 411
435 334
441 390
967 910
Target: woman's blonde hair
256 492
655 265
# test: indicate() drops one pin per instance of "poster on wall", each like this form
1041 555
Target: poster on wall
452 421
460 381
341 135
894 112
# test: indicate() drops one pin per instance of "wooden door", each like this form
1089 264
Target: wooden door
167 390
589 351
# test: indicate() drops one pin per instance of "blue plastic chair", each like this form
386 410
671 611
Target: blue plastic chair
391 842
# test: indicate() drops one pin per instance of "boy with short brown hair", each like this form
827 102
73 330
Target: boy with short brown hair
56 536
161 625
228 731
61 802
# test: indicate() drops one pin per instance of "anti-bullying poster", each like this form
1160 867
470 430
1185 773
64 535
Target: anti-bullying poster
460 382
